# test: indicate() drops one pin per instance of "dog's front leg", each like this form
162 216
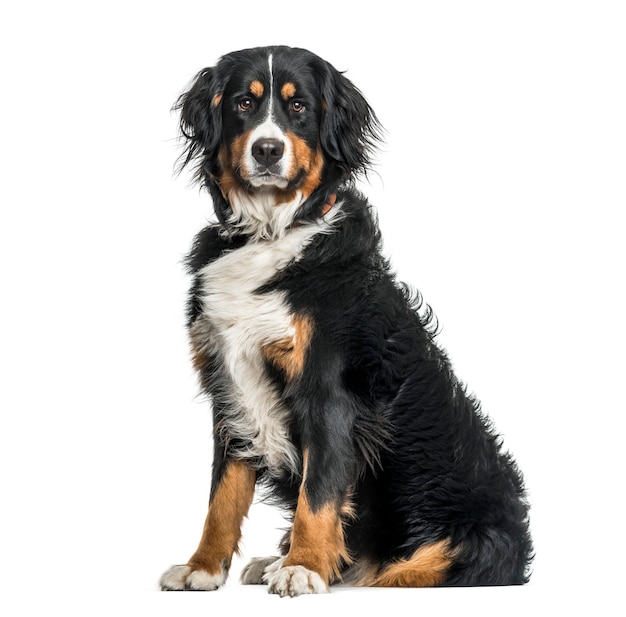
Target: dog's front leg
231 495
317 547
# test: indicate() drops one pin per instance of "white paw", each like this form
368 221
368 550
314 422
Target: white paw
293 581
253 573
183 578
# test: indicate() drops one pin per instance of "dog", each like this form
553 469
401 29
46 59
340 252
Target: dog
328 388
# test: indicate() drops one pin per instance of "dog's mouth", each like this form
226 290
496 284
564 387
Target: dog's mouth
268 178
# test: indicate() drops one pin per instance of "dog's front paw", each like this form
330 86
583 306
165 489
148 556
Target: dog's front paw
185 578
294 581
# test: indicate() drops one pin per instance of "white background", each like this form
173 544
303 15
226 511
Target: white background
501 191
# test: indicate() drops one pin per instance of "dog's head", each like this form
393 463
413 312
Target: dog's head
274 131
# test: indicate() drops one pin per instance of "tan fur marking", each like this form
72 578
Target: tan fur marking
310 160
256 88
330 202
289 354
217 99
199 358
317 541
305 158
427 567
284 196
288 90
230 158
314 178
229 504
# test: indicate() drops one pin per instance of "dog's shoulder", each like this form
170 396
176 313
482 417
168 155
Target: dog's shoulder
210 244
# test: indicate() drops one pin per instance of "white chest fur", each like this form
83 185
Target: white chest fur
236 323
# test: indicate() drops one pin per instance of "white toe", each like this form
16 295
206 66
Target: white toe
181 578
294 581
174 578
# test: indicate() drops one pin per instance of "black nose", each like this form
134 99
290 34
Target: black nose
268 151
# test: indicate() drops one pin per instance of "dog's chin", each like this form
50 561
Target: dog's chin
268 181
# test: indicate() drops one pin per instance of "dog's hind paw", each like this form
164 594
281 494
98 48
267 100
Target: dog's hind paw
253 573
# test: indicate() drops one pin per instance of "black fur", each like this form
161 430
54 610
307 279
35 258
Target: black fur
347 128
386 423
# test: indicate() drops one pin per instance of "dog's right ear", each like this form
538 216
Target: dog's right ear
201 122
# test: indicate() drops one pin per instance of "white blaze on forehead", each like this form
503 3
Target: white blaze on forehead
268 129
270 65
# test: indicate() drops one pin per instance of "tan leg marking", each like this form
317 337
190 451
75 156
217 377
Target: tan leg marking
427 567
222 529
317 541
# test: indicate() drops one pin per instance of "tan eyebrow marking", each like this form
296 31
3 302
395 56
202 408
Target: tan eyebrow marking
288 90
256 88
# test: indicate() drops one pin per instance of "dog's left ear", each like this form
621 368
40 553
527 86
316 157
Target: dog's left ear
349 131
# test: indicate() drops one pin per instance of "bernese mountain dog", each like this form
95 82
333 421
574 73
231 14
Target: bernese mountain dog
327 386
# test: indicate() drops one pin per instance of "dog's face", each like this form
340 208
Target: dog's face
271 117
276 122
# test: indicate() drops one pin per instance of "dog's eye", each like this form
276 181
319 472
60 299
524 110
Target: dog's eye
245 104
297 106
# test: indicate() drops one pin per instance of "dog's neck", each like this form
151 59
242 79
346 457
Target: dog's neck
267 214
